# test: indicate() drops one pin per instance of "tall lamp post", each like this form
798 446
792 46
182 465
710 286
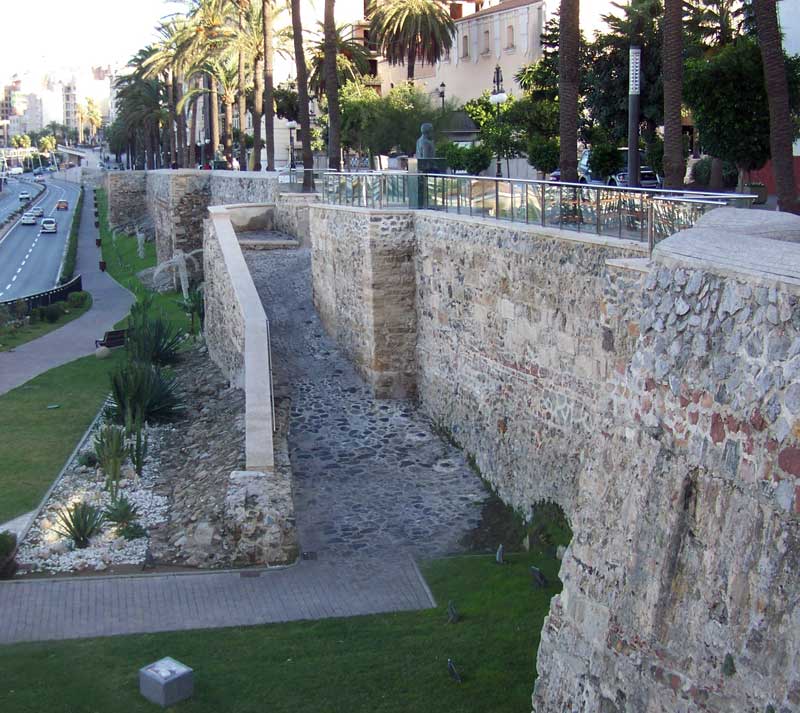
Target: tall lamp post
292 126
442 87
497 98
634 90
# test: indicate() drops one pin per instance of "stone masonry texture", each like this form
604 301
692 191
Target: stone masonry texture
656 401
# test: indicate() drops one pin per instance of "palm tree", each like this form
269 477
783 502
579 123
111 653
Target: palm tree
269 101
79 117
241 8
780 119
672 67
93 117
302 96
407 30
352 59
332 88
568 66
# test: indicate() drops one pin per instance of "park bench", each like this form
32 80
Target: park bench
112 338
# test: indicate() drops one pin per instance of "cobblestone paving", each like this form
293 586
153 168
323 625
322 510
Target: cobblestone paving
371 477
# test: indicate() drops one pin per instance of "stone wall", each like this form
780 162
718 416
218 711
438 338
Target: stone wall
292 215
237 334
364 284
127 196
657 402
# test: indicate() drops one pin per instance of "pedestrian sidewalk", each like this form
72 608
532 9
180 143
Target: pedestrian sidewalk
110 303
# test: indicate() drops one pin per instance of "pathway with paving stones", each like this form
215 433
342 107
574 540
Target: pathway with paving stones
370 476
375 488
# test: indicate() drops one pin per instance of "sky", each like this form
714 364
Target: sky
101 32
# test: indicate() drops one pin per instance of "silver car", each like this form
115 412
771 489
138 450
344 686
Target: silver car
29 219
49 226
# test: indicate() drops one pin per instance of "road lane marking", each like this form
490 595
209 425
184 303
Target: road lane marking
14 279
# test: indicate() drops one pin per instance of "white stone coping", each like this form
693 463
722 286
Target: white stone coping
768 262
529 229
631 264
259 425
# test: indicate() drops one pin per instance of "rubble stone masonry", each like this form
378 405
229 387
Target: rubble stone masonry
657 401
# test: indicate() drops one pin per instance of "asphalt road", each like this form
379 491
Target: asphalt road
29 259
9 197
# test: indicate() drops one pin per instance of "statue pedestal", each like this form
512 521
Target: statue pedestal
418 185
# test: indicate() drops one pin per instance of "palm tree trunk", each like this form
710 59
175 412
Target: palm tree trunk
229 132
214 110
412 60
269 105
180 145
193 134
302 96
780 119
169 81
332 89
674 168
242 88
258 102
715 180
568 53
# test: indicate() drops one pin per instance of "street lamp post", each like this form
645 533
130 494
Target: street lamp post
634 90
292 126
497 98
442 87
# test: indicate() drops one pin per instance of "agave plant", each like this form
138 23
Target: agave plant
79 523
144 389
121 512
195 305
154 340
177 263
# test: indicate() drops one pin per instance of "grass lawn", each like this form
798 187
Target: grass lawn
13 338
123 262
36 441
374 664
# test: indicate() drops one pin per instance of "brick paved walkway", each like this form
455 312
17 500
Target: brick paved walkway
85 607
110 303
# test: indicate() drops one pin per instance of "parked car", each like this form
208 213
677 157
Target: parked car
29 219
39 179
24 196
62 205
648 178
16 170
49 226
37 171
37 210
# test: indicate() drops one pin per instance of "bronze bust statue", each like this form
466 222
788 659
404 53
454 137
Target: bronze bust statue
425 147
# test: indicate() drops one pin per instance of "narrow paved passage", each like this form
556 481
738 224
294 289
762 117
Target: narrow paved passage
370 476
110 303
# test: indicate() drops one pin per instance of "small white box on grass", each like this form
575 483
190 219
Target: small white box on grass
166 682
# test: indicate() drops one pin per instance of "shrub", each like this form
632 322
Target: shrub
77 299
605 160
476 159
5 316
20 309
454 156
138 388
154 341
544 153
79 523
88 459
52 313
121 512
8 541
701 173
132 531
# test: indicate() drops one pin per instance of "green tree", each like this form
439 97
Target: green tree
544 153
730 120
497 130
47 144
21 141
352 59
409 30
569 87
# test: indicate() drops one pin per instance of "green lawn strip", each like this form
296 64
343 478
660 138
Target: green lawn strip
11 337
123 263
375 664
36 441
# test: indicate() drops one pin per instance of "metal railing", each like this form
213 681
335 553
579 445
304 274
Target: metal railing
646 215
291 179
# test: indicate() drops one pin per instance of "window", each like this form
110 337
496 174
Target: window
465 46
486 42
510 37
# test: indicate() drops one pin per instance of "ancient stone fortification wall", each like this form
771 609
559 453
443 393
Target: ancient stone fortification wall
292 215
363 274
243 187
658 403
126 191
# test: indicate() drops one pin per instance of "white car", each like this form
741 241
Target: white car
49 226
29 219
37 210
16 171
24 196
